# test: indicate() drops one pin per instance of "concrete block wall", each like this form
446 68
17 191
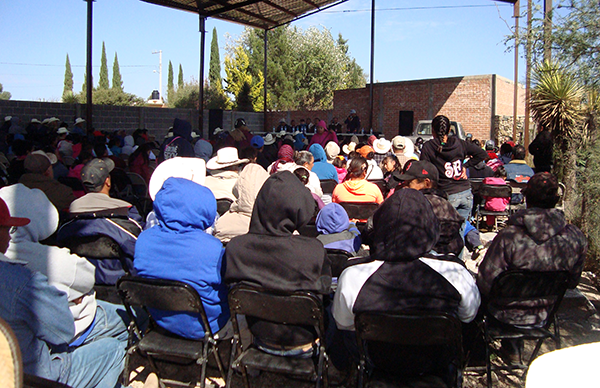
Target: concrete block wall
109 118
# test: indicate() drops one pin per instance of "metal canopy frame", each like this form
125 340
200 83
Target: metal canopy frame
263 14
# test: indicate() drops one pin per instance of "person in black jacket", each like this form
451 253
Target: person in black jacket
448 154
541 149
272 257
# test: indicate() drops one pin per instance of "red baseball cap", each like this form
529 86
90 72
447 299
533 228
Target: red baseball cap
7 220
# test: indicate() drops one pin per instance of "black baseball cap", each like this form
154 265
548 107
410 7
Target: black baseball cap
420 169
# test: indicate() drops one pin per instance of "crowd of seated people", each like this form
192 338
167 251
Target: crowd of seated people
423 201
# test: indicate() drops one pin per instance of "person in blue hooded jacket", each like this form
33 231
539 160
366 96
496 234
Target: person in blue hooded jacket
323 169
178 248
336 231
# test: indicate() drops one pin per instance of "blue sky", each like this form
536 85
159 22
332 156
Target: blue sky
414 40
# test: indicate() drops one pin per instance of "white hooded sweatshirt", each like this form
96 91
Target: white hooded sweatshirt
67 272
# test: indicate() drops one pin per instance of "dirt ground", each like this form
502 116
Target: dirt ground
578 319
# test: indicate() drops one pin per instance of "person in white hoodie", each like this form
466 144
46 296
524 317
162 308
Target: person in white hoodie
67 272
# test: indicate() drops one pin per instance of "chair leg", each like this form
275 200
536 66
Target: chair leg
556 333
204 362
231 360
488 360
215 352
361 374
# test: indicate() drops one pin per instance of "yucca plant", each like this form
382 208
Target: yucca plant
556 104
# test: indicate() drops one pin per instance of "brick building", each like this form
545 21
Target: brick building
483 104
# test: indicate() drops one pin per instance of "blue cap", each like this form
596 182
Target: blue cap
257 141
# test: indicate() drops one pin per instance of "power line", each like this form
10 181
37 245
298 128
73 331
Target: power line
49 65
418 8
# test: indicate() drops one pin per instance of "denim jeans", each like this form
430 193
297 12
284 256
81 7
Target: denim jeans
463 203
97 364
110 322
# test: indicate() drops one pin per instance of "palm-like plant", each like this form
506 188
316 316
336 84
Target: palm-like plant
556 104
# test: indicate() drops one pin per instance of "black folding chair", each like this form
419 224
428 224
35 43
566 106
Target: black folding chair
327 185
515 292
223 205
494 191
98 248
157 344
295 308
360 211
338 259
382 184
417 348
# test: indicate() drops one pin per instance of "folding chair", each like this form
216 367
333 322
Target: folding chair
327 185
294 308
494 191
11 364
101 248
516 291
360 211
382 184
339 260
157 344
140 191
223 205
418 348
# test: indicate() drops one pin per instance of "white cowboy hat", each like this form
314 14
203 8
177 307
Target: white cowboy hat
79 120
382 146
347 148
269 139
226 157
62 131
193 169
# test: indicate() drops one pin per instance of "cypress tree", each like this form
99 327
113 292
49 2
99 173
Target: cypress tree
170 86
214 70
68 84
180 77
103 81
117 82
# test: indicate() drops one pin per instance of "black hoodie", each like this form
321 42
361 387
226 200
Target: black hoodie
178 145
449 158
272 257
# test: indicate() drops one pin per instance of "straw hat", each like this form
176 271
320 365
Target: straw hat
226 157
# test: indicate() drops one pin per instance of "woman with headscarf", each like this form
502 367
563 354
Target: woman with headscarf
323 135
285 160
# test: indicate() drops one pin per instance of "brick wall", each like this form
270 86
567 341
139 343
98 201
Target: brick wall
474 101
107 117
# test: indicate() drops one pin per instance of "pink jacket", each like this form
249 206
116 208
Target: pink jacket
495 204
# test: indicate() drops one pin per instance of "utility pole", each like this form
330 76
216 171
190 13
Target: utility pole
516 15
160 95
547 30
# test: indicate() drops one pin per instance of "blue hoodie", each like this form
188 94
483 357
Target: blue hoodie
323 169
336 231
179 249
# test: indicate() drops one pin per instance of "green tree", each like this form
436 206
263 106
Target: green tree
304 67
170 86
68 83
180 77
4 95
103 81
186 96
84 86
240 81
117 82
556 104
215 96
243 99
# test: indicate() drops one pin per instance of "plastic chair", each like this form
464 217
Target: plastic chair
339 260
517 291
11 364
223 205
418 348
294 308
157 344
494 191
327 185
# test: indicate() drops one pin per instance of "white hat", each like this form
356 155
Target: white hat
352 111
382 146
269 139
217 130
226 157
281 133
347 148
62 131
296 132
53 119
35 121
7 118
332 149
51 157
79 120
193 169
399 142
194 135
